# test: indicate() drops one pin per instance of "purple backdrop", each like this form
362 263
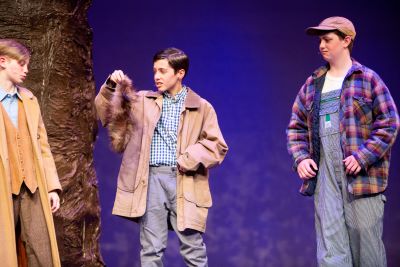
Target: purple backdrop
249 59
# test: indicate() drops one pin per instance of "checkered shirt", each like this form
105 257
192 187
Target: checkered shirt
163 144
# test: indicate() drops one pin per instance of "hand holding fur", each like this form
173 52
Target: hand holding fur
118 114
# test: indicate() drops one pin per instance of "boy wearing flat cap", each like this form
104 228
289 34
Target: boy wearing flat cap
343 125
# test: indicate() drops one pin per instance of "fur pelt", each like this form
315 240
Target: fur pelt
120 121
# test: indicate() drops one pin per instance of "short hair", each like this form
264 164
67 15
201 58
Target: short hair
13 49
176 58
341 36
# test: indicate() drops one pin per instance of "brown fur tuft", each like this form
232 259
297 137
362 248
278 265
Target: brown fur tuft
118 115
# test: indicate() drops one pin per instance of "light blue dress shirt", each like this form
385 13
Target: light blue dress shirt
10 104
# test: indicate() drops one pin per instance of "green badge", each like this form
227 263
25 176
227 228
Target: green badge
328 117
328 123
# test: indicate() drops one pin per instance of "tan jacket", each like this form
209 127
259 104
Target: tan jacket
47 180
131 118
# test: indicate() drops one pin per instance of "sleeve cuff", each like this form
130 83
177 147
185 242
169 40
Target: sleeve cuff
360 160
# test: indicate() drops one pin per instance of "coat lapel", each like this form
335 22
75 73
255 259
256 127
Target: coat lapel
32 116
3 139
154 111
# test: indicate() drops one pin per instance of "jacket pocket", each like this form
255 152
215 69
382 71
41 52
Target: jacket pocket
362 109
124 204
196 190
203 198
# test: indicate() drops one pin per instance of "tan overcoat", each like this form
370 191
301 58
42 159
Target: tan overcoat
47 180
131 118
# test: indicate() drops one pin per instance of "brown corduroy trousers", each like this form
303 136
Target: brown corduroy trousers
28 213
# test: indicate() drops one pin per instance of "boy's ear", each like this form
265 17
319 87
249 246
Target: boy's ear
347 39
3 60
181 73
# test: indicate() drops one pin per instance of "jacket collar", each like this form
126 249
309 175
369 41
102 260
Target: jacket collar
25 92
321 71
192 99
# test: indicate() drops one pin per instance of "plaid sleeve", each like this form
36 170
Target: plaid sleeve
384 128
298 142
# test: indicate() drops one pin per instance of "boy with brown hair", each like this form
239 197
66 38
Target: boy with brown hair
344 122
169 139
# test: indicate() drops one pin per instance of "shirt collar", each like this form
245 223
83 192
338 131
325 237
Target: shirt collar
178 96
4 93
356 67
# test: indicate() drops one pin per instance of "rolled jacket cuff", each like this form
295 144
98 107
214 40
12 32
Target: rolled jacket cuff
360 160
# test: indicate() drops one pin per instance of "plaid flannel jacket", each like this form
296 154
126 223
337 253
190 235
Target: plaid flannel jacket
369 123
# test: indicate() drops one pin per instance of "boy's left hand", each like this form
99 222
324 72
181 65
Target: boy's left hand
54 201
181 169
351 165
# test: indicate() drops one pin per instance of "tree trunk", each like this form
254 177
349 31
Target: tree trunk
61 77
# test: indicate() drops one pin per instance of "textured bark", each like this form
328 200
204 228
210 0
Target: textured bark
61 77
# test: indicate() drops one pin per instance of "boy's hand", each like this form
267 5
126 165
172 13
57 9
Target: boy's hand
351 165
307 168
117 76
54 201
181 169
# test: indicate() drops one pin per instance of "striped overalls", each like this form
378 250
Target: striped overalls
348 228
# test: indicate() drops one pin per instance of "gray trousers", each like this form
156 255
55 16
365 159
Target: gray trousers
160 212
28 212
348 229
